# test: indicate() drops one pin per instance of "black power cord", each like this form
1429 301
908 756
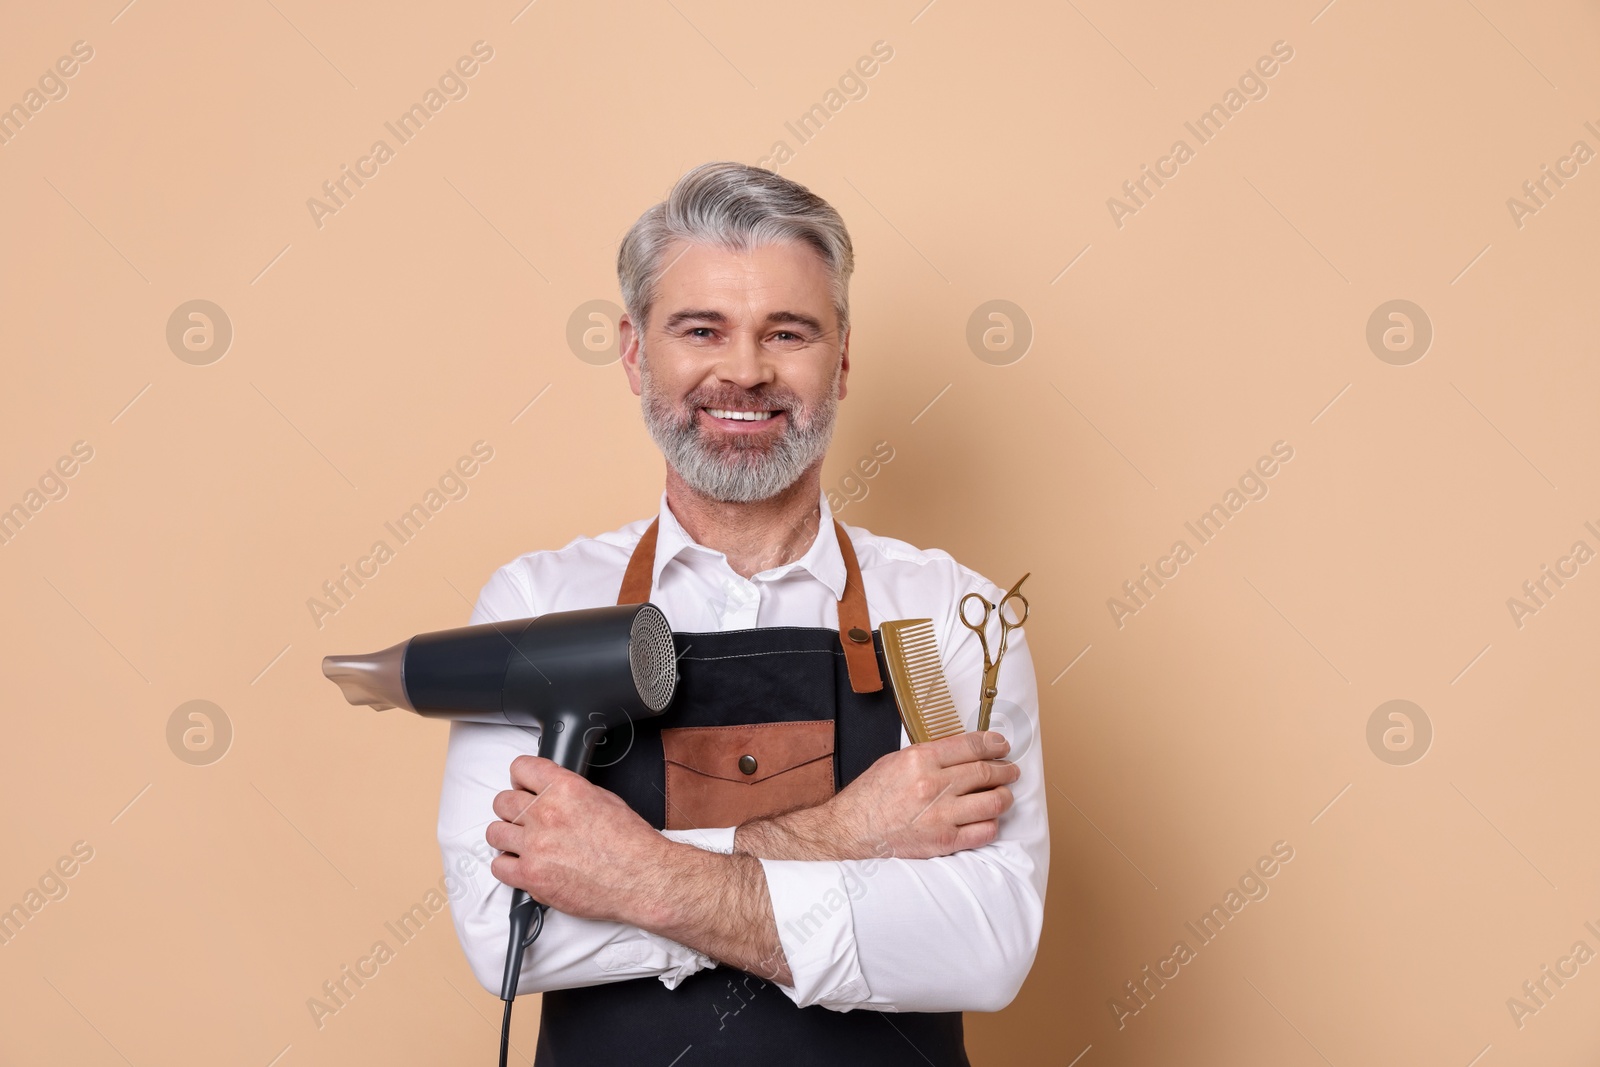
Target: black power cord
505 1034
527 920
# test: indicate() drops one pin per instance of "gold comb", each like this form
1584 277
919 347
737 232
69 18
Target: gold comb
912 652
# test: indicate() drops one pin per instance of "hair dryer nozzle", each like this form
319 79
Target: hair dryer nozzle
376 679
573 675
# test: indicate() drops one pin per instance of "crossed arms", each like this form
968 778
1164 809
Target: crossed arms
918 887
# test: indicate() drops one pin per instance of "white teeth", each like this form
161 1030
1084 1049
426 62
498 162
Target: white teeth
744 416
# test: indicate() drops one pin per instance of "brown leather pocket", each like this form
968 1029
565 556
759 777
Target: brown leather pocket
727 775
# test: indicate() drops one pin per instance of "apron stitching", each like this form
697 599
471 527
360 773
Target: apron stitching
763 629
780 652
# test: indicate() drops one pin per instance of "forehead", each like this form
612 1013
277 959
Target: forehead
783 274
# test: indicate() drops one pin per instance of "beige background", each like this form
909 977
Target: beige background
1228 313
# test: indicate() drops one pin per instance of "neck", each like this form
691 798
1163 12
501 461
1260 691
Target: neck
755 536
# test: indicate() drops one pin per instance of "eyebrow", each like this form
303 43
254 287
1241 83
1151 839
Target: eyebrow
718 318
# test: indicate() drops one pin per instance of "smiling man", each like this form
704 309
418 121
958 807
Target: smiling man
770 872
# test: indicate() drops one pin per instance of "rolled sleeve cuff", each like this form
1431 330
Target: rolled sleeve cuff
716 840
672 961
817 932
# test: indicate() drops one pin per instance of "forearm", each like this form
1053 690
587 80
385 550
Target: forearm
571 951
801 834
716 904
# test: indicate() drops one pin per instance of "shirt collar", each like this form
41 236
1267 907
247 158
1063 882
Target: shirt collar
823 560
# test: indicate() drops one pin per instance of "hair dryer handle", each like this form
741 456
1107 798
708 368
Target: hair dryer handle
522 914
567 740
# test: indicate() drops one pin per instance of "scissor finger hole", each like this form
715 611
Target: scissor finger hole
1007 604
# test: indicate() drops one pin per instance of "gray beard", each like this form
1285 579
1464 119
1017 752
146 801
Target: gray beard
739 470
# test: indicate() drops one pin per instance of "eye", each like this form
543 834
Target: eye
790 333
697 330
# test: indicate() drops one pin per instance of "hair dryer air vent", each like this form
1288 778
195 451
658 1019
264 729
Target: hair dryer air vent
655 660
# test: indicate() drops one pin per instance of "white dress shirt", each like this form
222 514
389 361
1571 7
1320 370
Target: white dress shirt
953 933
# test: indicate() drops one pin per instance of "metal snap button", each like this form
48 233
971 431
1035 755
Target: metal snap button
858 635
747 763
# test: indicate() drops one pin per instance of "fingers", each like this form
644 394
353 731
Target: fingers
981 807
504 869
976 834
973 777
503 837
512 804
967 747
535 773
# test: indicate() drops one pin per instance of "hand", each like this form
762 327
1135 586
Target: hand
580 849
573 845
922 801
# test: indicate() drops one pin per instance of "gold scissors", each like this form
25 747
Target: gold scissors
991 668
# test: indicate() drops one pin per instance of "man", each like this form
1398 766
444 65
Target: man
768 873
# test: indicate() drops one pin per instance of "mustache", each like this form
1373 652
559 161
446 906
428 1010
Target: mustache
761 399
740 400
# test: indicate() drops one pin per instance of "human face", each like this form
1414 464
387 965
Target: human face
744 369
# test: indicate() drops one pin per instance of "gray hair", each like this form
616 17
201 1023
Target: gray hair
738 207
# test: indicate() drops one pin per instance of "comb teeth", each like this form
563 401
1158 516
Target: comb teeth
917 674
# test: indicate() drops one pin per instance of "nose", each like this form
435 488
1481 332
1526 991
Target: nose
745 362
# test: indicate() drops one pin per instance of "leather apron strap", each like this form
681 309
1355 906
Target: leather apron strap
636 579
855 625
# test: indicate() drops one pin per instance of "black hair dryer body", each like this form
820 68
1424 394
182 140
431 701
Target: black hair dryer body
572 674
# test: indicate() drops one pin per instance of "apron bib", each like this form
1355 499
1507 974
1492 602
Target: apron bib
763 719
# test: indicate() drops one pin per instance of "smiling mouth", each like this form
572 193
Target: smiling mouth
734 415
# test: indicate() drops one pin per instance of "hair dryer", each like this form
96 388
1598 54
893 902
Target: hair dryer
572 674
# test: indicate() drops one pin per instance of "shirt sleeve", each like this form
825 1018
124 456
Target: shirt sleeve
953 933
570 951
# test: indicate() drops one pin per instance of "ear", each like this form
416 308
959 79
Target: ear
844 363
628 340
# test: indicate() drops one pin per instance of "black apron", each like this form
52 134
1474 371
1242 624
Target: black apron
721 1015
